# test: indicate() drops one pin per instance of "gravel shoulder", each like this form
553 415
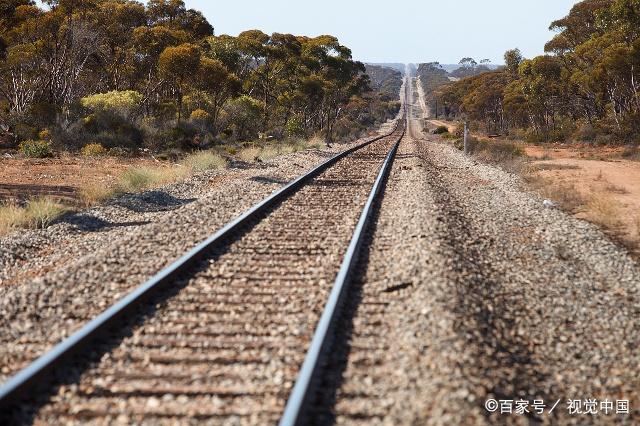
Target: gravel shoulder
473 289
546 306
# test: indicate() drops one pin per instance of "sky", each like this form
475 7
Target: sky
411 31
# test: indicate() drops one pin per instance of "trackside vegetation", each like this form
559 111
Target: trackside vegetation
585 88
128 76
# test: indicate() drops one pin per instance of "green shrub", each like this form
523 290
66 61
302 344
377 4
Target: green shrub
294 127
110 130
25 131
585 132
120 102
441 130
36 149
93 150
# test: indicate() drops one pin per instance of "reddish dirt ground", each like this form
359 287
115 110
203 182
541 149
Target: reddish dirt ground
22 178
597 173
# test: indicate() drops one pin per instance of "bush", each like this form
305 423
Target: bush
231 150
441 130
242 116
294 127
562 132
25 131
45 135
36 149
117 151
110 130
585 133
205 160
199 115
122 103
496 152
93 150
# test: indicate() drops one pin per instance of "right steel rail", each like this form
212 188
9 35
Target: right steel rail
294 413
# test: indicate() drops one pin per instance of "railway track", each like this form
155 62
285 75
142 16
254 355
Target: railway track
220 335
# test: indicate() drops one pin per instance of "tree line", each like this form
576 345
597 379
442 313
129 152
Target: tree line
585 87
124 74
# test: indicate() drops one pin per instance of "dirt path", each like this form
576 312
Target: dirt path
422 99
448 124
22 178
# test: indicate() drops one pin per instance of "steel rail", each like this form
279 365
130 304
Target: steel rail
41 369
302 392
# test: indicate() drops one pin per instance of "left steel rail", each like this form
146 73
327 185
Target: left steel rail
14 389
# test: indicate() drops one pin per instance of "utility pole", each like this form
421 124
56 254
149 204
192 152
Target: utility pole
436 108
466 138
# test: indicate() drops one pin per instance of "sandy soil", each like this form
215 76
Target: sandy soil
61 177
448 124
601 178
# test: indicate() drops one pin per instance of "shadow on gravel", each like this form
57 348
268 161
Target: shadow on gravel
88 223
268 180
245 165
151 202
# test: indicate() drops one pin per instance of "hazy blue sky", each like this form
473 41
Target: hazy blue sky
400 31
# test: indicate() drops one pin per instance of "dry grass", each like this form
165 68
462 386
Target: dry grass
41 212
509 156
203 161
93 194
566 195
615 189
551 166
604 211
316 142
142 178
11 217
272 150
249 154
37 213
597 207
269 152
